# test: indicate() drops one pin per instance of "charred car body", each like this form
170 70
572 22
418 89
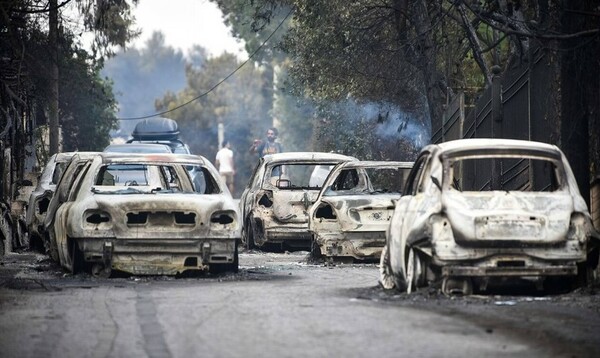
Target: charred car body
65 181
41 196
477 211
353 210
147 214
281 189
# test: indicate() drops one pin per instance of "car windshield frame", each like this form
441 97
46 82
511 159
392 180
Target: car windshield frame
284 183
449 159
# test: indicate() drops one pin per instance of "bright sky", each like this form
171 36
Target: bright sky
185 23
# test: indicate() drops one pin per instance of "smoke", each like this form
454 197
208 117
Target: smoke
392 122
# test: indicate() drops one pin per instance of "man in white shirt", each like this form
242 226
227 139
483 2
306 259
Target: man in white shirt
224 161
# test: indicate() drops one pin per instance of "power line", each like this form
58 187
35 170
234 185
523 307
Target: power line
218 83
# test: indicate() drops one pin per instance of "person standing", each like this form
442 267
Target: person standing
269 146
224 161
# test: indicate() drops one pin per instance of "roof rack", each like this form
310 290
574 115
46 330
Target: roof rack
156 129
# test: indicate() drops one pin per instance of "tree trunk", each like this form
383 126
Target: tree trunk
53 100
434 82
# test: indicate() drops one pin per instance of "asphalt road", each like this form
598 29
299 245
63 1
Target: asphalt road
278 305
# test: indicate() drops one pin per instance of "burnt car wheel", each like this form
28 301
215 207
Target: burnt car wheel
387 280
457 286
415 270
99 270
412 269
315 249
52 247
232 267
247 235
77 261
255 232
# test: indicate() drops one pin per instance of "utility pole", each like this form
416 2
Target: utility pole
53 123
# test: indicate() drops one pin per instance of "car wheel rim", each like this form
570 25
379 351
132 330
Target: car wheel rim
410 270
386 278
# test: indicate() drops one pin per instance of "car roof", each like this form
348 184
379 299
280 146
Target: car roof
66 156
377 164
469 144
166 158
175 145
138 148
305 156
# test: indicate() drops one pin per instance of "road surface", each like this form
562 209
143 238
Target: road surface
278 305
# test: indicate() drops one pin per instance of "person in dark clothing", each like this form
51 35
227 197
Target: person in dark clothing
269 146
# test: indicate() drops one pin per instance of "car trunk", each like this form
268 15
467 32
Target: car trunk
520 218
290 206
361 214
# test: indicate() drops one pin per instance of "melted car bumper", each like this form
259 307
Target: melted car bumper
359 245
158 256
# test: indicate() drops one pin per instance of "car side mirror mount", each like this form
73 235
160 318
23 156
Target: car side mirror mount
283 183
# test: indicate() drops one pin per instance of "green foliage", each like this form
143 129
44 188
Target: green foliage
111 21
86 102
327 59
87 105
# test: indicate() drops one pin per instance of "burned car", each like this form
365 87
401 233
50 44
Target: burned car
147 214
63 175
41 196
280 191
353 210
477 212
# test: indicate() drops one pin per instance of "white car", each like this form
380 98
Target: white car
66 175
158 214
353 210
281 189
477 212
41 196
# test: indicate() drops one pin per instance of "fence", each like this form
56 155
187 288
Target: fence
517 106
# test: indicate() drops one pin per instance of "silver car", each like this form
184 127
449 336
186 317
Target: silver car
40 198
489 211
147 214
281 189
353 210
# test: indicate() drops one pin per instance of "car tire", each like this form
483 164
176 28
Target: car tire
52 247
254 233
415 270
235 265
387 280
77 261
247 235
315 250
101 271
232 267
411 270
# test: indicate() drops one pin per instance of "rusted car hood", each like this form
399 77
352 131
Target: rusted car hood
535 218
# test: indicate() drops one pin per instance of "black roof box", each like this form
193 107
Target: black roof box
156 129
